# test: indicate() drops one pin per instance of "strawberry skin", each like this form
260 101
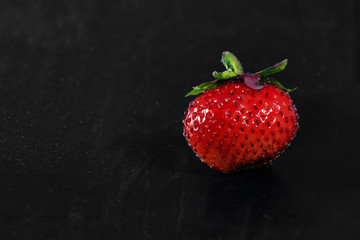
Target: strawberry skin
234 127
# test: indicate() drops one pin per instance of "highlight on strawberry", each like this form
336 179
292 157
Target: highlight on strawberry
240 120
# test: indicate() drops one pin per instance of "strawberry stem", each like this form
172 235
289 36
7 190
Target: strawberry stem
231 63
224 75
276 83
273 69
204 86
252 81
235 72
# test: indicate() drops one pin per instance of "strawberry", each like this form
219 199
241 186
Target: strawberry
240 120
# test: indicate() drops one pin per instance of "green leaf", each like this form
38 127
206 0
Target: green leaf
276 83
231 63
203 87
224 75
273 69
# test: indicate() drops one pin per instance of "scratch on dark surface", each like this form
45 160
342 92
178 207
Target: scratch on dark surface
351 44
356 8
130 174
103 110
146 227
244 227
181 209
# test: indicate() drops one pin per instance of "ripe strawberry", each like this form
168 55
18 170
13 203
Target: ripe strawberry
241 121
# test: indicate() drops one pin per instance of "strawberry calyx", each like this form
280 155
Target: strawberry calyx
235 72
252 80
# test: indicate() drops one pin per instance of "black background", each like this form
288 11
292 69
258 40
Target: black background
92 99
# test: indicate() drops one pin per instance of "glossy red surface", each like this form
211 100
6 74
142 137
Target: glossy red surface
234 126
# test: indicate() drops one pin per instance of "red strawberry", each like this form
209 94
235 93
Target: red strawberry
241 120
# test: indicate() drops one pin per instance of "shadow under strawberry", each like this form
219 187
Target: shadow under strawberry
237 203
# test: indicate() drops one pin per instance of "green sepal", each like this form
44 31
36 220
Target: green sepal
204 86
224 75
276 83
273 69
231 63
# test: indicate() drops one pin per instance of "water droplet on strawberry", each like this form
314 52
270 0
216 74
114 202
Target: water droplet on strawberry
202 132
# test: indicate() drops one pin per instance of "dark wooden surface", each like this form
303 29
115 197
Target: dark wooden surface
92 99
